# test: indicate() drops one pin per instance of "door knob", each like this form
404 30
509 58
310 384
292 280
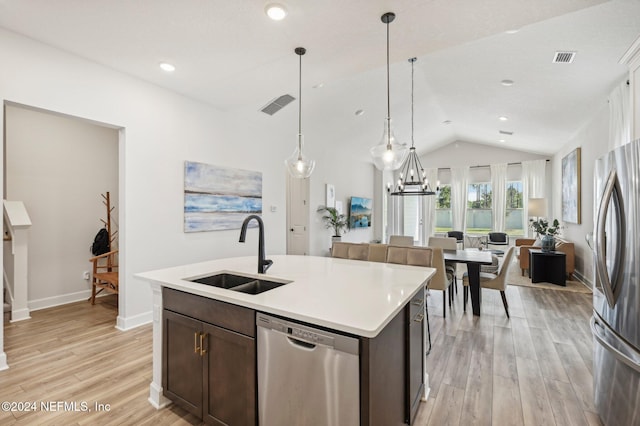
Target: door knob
291 229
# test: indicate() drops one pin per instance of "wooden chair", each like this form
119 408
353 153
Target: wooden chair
104 274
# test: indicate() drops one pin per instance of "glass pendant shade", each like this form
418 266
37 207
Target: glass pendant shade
298 165
389 154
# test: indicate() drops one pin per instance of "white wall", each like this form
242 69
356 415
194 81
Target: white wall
59 166
159 131
593 141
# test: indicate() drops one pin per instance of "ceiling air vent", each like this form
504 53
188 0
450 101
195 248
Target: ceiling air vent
563 57
504 132
277 104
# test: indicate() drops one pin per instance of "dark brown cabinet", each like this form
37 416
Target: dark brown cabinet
209 358
415 355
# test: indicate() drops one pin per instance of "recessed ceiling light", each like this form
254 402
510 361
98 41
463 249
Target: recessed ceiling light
446 122
507 82
503 118
502 140
318 86
165 66
359 112
513 31
275 11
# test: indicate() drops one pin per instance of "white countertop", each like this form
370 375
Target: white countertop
352 296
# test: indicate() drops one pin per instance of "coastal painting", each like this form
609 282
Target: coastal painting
360 212
571 187
219 198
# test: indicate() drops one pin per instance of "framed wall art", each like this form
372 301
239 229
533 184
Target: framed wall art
571 187
218 198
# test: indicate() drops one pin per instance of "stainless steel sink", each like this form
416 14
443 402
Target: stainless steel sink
249 285
223 280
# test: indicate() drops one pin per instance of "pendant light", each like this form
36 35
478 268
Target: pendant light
389 153
298 165
413 179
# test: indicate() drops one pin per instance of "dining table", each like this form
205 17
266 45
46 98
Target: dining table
473 258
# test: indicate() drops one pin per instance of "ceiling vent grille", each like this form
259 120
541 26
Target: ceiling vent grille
277 104
564 57
504 132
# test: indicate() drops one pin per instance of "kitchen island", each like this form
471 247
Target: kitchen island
371 301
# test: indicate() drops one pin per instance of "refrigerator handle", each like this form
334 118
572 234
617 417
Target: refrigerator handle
602 339
612 187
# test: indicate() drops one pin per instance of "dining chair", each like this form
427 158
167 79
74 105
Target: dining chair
447 243
430 257
400 240
458 235
492 281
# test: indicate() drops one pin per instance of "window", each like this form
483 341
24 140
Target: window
479 214
514 220
444 218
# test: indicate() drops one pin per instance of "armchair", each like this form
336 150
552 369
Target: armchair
498 239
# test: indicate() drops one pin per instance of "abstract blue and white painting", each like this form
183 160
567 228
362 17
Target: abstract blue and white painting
218 198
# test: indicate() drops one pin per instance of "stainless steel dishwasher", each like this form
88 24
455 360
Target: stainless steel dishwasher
306 376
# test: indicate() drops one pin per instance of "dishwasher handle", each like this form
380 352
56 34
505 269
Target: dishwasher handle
301 343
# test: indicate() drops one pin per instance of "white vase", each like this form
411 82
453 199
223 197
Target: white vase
336 239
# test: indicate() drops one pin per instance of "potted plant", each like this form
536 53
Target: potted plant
335 220
546 232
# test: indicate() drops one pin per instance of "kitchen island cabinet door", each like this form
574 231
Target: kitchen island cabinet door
182 366
229 377
415 355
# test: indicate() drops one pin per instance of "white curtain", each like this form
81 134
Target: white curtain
499 198
619 116
533 186
429 207
459 189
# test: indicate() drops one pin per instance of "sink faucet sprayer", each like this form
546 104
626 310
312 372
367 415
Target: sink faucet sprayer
263 264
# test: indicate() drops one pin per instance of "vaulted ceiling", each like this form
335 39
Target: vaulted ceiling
230 55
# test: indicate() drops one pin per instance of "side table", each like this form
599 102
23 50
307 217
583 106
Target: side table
548 266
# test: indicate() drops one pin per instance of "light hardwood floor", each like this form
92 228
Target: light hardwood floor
534 369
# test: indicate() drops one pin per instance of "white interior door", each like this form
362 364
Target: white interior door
297 216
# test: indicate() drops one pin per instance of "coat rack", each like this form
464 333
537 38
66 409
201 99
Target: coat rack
107 223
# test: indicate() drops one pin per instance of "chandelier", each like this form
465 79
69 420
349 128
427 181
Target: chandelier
413 179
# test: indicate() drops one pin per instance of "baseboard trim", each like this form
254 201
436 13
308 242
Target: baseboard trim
3 361
128 323
20 315
156 398
63 299
583 280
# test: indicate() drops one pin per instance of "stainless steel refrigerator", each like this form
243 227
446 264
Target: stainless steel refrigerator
616 297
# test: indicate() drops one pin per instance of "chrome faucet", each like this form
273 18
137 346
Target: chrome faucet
263 264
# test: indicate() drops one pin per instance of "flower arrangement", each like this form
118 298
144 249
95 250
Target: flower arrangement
542 227
334 220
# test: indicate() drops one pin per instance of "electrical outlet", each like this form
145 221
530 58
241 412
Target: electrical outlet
85 275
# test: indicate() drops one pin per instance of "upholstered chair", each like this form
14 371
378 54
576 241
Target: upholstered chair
458 235
498 239
447 243
401 240
493 281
